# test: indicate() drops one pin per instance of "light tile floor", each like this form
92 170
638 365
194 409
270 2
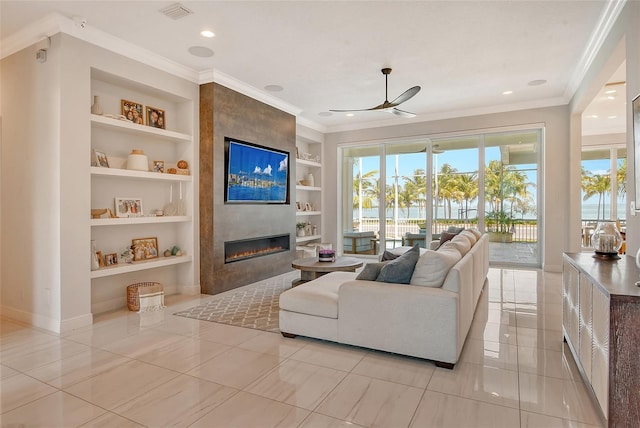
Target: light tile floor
159 369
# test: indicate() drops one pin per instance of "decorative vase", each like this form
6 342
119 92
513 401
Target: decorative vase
300 233
311 181
606 240
96 108
95 265
137 160
638 258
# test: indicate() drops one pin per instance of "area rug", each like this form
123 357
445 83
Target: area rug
252 306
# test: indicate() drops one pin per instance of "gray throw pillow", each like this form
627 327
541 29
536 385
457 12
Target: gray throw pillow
454 229
400 270
370 271
388 255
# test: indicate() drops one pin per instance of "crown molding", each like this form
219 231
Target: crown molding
612 10
230 82
30 34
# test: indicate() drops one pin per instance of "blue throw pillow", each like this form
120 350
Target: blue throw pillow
400 270
370 271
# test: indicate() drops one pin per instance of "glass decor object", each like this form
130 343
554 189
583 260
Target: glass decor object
606 240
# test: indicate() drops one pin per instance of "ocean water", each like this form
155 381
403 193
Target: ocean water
257 194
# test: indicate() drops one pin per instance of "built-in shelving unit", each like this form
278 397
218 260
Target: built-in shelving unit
309 197
157 190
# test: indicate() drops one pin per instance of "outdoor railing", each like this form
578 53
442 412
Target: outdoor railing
523 230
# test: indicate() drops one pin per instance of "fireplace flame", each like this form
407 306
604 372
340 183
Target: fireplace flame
254 253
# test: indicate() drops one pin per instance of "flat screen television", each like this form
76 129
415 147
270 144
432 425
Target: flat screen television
255 174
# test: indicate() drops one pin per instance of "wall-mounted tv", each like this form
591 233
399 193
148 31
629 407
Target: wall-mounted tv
255 174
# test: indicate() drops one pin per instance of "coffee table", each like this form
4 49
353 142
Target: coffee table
311 268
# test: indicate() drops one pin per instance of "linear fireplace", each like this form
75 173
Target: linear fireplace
235 251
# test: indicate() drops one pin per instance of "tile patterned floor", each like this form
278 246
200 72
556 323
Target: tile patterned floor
137 370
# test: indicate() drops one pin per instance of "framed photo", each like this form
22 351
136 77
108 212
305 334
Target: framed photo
100 259
101 159
156 117
111 259
128 207
133 112
158 166
144 248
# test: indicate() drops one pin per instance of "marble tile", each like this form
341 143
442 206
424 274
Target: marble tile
537 338
536 420
546 362
74 369
110 420
448 411
106 333
396 368
539 321
20 389
227 334
183 326
560 398
372 402
27 357
143 343
183 355
274 344
236 367
251 411
331 355
54 410
491 354
6 372
120 384
18 338
297 383
488 384
493 332
316 420
190 399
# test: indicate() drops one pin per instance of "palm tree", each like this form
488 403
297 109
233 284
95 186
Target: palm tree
447 189
596 184
621 177
362 188
417 185
468 186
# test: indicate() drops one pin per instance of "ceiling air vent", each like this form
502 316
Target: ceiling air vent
176 11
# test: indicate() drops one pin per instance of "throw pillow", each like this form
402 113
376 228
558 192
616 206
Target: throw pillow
432 268
388 255
462 244
370 271
476 232
446 236
456 230
400 270
470 236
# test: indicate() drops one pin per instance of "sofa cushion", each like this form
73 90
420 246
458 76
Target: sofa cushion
432 267
399 270
476 232
371 271
462 244
454 229
470 235
318 297
388 255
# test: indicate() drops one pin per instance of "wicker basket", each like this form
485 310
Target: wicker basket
133 293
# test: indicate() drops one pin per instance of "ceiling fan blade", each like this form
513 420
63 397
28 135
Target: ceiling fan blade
409 93
353 109
402 113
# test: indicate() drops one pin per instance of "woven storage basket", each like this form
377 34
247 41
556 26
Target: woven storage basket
133 293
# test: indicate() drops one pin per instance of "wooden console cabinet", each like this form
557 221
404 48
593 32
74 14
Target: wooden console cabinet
601 324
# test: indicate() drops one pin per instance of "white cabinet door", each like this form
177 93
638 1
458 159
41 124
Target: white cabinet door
600 349
585 324
570 300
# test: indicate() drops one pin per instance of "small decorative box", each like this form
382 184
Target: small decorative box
327 256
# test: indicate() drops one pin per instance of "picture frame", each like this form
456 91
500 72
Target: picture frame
100 259
636 148
133 111
158 166
156 118
144 249
111 259
101 159
128 207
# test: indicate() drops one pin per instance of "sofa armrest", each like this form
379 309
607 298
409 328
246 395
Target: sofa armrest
433 245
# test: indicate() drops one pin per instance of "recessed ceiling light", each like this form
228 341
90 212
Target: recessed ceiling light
593 116
537 82
610 91
611 117
274 88
611 97
350 114
200 51
206 33
325 113
507 93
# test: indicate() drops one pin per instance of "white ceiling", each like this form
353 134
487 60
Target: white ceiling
328 55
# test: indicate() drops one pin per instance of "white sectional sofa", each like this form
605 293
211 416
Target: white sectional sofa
410 319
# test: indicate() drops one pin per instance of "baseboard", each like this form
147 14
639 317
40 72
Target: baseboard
552 268
47 323
189 290
109 305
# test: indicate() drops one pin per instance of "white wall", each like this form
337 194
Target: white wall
46 190
31 253
556 157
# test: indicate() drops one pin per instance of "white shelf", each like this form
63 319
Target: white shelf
141 175
139 220
307 238
125 125
137 266
305 213
309 163
312 189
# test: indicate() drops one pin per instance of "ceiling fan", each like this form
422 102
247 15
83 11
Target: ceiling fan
390 106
